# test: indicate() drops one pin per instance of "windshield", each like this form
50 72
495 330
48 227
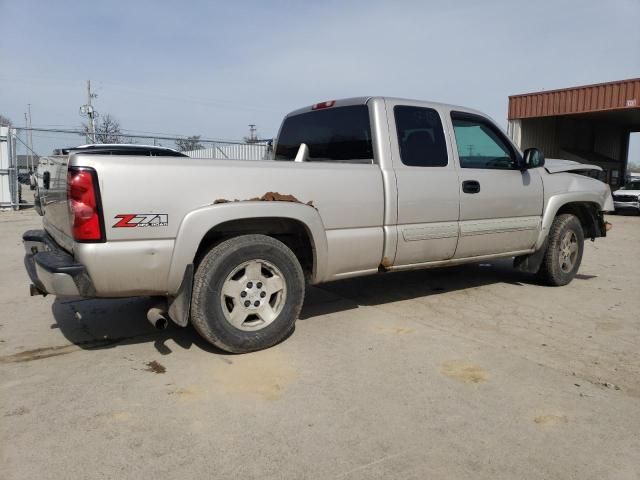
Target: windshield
635 185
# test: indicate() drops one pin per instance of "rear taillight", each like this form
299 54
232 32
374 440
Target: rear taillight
84 205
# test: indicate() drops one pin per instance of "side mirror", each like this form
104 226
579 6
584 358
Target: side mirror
532 158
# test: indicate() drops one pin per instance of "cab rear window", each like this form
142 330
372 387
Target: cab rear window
341 134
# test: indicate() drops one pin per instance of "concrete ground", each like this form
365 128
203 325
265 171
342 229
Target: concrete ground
468 372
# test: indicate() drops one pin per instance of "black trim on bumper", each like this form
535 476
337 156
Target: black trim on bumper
30 266
39 236
51 258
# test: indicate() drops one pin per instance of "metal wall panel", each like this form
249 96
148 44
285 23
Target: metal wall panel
608 141
589 98
540 133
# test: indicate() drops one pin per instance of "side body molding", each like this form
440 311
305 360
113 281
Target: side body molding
197 223
557 201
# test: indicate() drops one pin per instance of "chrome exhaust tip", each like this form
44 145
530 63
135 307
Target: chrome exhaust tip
158 318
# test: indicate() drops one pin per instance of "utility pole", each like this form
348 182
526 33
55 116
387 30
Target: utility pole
91 113
252 133
26 136
30 138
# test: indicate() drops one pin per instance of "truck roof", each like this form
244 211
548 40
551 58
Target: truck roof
343 102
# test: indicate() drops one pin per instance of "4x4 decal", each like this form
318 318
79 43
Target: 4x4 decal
129 220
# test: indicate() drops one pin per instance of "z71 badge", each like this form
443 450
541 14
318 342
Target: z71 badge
128 220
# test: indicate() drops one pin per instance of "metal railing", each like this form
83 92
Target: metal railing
10 191
20 149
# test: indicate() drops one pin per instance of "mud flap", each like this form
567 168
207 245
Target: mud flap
180 305
531 263
601 225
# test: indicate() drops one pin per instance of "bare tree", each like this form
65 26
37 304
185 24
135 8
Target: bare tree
108 131
189 143
5 122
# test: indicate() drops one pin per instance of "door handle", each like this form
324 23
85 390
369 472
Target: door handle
471 186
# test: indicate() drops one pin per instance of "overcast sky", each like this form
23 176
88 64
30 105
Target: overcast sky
210 68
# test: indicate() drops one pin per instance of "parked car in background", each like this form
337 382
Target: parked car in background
628 197
358 186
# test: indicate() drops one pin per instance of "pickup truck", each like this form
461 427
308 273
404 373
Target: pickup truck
356 187
628 197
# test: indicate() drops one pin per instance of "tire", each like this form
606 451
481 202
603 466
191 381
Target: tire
565 247
247 293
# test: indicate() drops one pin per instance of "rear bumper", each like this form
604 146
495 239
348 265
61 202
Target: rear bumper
53 270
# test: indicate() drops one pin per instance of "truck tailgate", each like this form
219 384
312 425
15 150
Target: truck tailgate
52 193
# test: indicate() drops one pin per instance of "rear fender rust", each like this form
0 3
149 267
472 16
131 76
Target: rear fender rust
196 224
268 197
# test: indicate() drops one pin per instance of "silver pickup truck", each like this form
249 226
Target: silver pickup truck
356 187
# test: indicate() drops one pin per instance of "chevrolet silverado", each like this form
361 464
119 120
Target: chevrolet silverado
356 187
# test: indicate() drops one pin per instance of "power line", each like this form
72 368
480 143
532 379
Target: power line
219 103
125 134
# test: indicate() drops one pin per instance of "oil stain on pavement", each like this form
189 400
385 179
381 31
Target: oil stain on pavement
39 353
155 367
266 373
550 419
464 372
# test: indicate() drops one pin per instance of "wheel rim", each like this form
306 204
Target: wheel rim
253 295
568 251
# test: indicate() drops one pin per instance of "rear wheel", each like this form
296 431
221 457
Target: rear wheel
564 251
247 293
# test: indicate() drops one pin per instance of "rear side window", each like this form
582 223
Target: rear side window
420 136
334 134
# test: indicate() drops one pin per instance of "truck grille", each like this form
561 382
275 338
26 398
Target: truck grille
625 198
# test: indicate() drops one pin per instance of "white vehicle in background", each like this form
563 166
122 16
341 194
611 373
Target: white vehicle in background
628 197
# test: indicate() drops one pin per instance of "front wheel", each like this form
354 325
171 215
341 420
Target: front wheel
565 246
247 293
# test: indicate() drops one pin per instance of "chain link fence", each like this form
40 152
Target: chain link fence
21 148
